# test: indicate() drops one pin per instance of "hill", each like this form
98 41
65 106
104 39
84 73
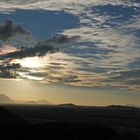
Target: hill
122 107
67 105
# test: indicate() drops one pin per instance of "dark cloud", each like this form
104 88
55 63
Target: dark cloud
40 49
9 70
9 29
62 39
9 66
37 50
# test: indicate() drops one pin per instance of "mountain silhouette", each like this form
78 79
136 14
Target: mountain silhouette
122 107
67 105
5 99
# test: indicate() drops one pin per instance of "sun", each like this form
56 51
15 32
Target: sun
30 62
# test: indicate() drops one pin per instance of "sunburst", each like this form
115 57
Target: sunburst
30 62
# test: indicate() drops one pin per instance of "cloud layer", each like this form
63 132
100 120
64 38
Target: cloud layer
107 53
9 53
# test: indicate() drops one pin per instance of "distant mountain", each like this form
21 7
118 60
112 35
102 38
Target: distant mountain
5 99
121 107
39 102
67 105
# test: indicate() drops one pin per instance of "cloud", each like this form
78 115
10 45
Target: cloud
126 78
62 39
37 50
75 7
8 52
40 49
8 70
61 68
109 43
9 29
7 49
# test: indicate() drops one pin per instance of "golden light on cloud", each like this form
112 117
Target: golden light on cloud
30 62
7 49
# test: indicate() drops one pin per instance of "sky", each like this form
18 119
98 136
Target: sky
76 51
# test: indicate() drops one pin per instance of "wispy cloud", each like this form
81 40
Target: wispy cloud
9 53
107 53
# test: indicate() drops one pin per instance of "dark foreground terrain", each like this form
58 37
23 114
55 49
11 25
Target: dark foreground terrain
69 122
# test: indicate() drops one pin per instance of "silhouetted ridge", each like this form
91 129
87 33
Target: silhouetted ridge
121 107
67 105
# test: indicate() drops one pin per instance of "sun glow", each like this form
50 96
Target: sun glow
30 62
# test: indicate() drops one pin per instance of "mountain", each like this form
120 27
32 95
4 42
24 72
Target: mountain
67 105
5 99
121 107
